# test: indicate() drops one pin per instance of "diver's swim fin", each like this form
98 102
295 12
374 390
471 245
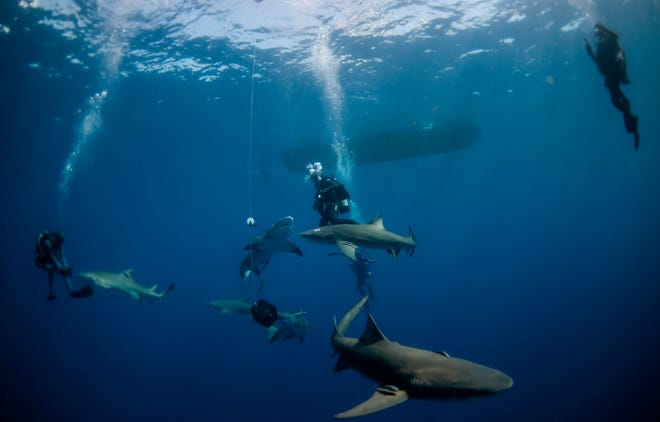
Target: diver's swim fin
82 292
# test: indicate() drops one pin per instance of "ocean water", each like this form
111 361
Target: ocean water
148 131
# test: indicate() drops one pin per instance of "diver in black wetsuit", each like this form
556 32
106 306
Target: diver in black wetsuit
331 197
48 255
360 267
264 313
611 62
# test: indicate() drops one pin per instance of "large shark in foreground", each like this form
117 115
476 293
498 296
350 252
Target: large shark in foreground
405 372
348 237
125 283
288 326
276 239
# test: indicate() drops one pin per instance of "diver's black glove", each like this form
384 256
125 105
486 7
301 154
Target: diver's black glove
587 46
66 272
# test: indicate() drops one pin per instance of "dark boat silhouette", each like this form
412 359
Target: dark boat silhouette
386 146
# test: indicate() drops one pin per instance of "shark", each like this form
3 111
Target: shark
350 237
232 306
124 282
404 372
261 248
287 327
290 326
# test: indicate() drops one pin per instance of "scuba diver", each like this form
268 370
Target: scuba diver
48 255
611 62
264 313
331 197
360 267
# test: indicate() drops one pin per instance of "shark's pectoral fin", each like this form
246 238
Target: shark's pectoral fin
347 248
385 396
291 247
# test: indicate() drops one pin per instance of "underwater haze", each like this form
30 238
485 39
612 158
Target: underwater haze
148 131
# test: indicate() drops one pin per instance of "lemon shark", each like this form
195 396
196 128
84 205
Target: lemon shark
405 372
288 325
232 306
274 240
124 282
349 237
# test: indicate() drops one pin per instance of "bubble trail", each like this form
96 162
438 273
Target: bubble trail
326 69
89 125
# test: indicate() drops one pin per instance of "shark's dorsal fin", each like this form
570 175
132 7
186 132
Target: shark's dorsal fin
377 222
372 333
129 273
442 352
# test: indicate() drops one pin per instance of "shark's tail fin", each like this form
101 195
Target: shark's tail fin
167 291
411 249
342 327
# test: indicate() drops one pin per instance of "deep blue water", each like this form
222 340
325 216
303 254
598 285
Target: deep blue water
538 247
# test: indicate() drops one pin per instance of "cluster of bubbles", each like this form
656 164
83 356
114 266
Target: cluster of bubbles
90 124
326 66
326 69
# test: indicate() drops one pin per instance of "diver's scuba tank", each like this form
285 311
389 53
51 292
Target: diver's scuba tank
264 313
343 206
